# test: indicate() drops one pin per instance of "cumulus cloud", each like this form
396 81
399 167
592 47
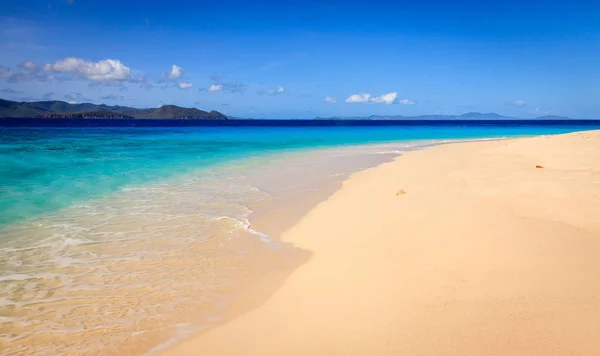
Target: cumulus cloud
359 98
185 85
215 87
175 73
27 65
329 99
517 104
112 97
387 99
101 71
10 91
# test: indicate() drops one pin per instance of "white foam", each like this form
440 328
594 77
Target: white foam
246 226
263 237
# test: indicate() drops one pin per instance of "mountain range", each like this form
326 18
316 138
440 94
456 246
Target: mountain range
61 109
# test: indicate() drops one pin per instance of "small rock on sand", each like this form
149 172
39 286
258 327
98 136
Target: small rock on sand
538 166
401 192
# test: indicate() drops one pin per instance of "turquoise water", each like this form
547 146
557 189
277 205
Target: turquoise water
46 169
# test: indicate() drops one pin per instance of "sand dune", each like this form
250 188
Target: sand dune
484 254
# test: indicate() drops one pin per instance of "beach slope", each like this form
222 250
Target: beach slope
460 249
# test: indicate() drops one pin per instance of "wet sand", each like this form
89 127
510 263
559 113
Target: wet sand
484 254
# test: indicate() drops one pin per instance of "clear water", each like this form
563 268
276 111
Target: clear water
114 240
46 169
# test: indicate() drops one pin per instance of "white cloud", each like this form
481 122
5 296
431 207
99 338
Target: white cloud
329 99
105 70
233 87
175 73
387 99
29 65
276 91
215 87
406 102
279 90
185 85
359 98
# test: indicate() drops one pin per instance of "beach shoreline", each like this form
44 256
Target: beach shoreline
271 220
365 287
222 246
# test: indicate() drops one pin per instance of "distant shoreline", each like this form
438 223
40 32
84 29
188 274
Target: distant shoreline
175 122
63 110
467 116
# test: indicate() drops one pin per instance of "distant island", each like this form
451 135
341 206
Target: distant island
60 109
553 117
467 116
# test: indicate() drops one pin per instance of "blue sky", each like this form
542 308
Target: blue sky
268 59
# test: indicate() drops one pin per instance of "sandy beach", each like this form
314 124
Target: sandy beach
461 249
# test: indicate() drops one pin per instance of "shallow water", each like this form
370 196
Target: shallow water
116 240
46 169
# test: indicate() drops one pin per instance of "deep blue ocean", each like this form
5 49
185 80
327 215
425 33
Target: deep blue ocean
47 165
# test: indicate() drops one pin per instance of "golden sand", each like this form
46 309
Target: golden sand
483 254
